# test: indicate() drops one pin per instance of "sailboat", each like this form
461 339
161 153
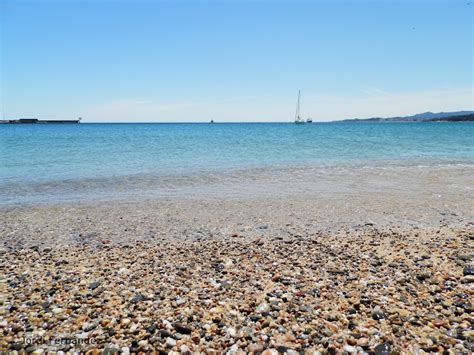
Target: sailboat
298 119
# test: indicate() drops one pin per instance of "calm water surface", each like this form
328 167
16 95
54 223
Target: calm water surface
47 161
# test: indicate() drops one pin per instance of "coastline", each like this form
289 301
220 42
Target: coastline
424 178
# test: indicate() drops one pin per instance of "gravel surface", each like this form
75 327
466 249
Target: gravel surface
353 290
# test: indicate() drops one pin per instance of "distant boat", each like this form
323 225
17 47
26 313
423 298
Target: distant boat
309 120
298 119
38 121
212 121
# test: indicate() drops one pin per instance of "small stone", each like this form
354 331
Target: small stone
467 279
283 349
184 350
350 349
465 257
337 271
88 326
468 270
255 348
138 298
180 301
57 310
95 284
142 343
231 332
383 349
182 328
165 333
170 342
151 329
263 308
423 276
124 271
16 346
233 349
255 317
109 350
377 314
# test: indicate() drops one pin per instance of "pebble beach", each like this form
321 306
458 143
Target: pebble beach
374 260
138 278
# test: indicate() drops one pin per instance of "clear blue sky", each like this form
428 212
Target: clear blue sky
234 60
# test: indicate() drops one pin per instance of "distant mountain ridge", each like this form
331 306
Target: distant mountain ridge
462 118
420 117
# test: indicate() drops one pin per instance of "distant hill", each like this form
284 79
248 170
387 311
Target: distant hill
461 118
420 117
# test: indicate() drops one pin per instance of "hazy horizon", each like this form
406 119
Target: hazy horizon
119 61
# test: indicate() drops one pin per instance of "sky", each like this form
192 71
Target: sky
197 60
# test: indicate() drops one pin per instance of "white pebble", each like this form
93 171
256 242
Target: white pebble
232 332
170 343
143 343
350 349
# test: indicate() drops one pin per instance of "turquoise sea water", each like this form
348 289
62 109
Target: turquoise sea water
41 162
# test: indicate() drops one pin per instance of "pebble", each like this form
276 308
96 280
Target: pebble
184 350
88 326
377 314
232 332
170 342
255 348
349 349
94 285
468 270
142 343
263 307
182 328
270 352
137 298
383 349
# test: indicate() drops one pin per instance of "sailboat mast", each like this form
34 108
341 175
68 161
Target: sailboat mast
297 115
299 91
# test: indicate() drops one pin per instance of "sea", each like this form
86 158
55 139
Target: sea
49 163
